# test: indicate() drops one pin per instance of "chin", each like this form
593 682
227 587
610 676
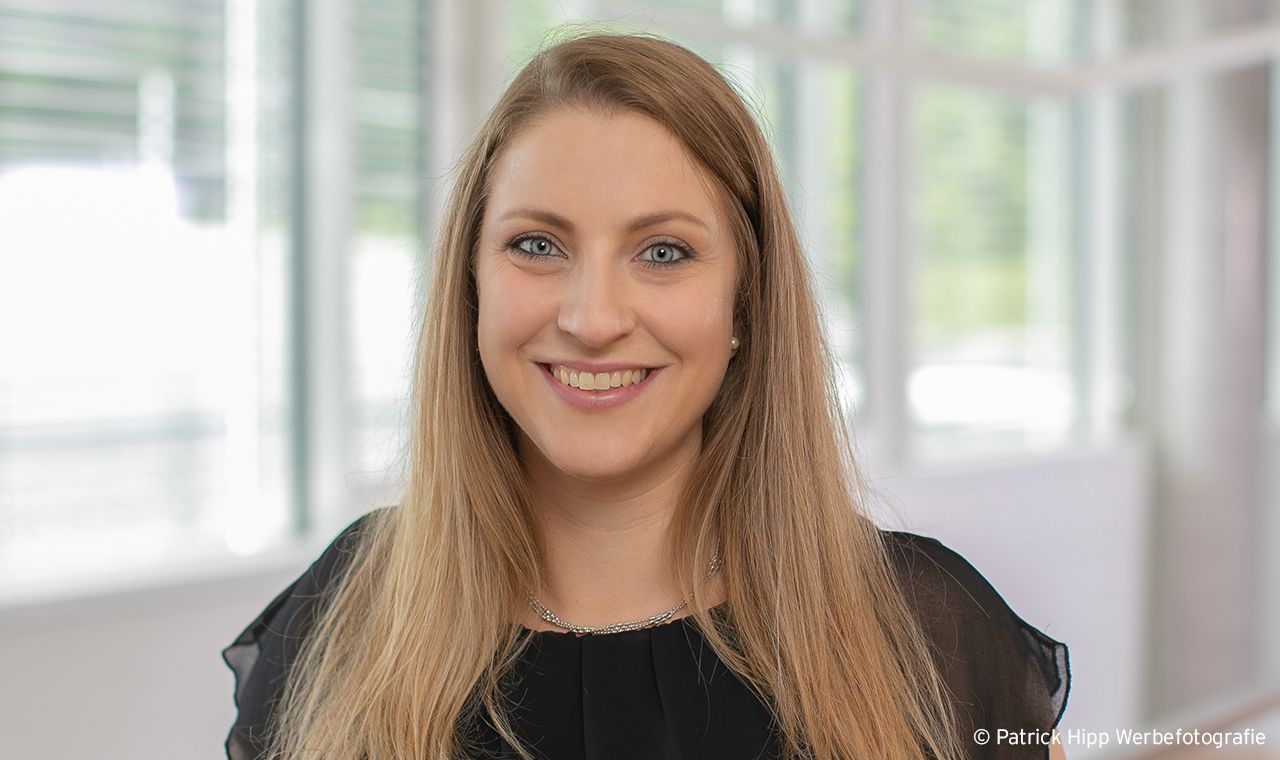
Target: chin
598 474
594 463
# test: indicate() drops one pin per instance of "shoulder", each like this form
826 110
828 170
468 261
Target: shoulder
260 656
286 612
1003 672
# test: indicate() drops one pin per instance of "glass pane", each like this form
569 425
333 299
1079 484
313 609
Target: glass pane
829 15
993 318
812 118
1143 148
831 215
527 20
525 26
143 230
1148 24
388 230
811 115
1040 32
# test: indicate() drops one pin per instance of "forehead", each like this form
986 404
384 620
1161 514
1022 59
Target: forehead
596 167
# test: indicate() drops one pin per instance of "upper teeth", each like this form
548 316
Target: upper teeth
589 381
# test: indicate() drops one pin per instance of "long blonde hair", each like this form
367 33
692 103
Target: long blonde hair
415 636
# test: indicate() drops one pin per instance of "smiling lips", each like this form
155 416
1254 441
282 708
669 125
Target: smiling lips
590 381
598 391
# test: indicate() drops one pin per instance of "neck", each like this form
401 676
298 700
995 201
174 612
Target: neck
604 541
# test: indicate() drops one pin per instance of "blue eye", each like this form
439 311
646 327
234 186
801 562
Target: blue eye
533 246
672 248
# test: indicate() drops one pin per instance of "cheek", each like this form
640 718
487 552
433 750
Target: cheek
695 326
507 311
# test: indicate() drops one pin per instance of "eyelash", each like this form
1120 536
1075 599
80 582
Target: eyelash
687 254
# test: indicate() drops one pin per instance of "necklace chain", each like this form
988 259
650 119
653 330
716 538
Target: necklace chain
634 625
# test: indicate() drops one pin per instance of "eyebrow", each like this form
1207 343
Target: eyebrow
639 223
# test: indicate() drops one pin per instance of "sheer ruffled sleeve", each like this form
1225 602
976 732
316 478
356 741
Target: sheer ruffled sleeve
260 656
1009 679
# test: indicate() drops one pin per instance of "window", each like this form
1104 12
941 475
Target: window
160 273
1038 33
144 210
390 103
993 314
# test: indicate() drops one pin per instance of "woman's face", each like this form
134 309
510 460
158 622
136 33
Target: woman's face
569 272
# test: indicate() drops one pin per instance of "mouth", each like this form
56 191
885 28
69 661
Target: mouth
625 375
605 398
598 390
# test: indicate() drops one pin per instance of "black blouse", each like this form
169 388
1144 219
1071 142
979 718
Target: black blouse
662 693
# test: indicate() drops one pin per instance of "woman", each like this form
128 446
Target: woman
673 567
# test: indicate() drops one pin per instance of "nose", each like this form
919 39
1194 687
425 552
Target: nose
595 306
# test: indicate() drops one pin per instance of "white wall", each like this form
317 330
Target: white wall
134 674
1063 539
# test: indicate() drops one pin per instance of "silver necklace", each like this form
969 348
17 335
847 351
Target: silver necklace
634 625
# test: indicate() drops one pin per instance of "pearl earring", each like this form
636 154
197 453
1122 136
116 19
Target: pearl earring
733 343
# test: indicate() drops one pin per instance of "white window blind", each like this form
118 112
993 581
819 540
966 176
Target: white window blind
143 237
